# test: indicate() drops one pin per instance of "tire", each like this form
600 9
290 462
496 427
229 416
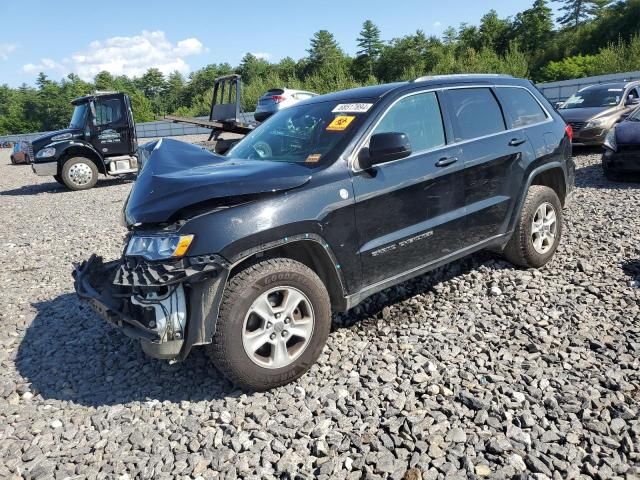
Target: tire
79 173
521 249
237 321
58 179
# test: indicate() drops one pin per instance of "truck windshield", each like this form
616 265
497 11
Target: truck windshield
79 115
594 97
307 134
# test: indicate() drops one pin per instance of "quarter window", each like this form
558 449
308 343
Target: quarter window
521 107
418 116
476 113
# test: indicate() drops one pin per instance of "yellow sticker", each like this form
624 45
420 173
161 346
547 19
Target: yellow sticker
315 158
340 123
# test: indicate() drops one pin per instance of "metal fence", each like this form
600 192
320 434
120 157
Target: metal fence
560 91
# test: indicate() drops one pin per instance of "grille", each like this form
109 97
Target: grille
577 125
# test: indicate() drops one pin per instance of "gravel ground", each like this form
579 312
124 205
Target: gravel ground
477 370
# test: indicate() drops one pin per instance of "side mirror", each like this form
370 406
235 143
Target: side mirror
385 147
559 104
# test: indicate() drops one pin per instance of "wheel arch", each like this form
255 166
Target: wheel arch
551 175
82 150
309 250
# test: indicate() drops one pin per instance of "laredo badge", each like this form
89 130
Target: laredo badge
340 123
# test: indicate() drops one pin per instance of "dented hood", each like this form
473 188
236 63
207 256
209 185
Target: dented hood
176 175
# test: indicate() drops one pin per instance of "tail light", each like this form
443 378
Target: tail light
569 131
278 98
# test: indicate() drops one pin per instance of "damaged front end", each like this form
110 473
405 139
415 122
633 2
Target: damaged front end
170 306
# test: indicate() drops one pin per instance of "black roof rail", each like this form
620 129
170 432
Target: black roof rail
460 75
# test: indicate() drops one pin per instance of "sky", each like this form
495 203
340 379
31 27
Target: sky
128 37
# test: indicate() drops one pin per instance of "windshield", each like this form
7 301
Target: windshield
78 117
594 97
306 134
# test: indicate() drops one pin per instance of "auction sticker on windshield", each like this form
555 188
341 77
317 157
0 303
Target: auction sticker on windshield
340 123
352 108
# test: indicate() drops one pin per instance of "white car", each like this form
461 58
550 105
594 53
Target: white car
277 99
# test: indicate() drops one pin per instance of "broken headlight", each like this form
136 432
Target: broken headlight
158 247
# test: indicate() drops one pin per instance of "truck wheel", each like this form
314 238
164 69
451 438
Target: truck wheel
537 234
79 173
274 320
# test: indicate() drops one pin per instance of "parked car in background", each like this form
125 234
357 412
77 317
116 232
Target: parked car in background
278 99
622 148
325 204
21 153
593 110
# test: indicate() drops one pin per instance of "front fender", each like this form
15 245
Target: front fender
78 148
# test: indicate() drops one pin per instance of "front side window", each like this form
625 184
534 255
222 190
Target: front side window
522 108
417 116
476 113
308 134
594 97
108 111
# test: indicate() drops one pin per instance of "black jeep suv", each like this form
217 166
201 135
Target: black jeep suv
323 205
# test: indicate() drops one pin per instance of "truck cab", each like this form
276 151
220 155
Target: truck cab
100 139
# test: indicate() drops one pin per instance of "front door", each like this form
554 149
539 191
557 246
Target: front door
111 132
409 212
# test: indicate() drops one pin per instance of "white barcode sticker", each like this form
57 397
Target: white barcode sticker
352 108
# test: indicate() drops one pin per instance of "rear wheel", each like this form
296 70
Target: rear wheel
273 324
79 173
537 234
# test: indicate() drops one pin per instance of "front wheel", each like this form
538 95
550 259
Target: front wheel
538 231
274 321
79 173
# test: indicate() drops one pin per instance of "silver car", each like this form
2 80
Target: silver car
278 99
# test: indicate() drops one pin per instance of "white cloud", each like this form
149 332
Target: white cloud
46 64
6 49
131 56
261 55
437 24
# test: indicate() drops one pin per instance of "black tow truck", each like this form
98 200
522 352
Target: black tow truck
101 138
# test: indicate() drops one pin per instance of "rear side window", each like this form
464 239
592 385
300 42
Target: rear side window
476 113
521 108
418 116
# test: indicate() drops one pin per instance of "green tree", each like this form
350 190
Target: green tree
325 53
104 81
533 28
370 46
251 68
576 12
493 32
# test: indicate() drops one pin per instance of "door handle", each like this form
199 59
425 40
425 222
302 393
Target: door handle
514 142
443 162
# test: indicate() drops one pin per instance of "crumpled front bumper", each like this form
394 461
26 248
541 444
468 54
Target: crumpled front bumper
111 289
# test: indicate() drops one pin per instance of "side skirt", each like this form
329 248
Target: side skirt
357 298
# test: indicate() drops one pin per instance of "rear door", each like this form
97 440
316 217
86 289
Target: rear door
409 212
494 158
111 135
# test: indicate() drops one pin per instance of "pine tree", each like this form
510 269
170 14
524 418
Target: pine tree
576 12
324 51
370 45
